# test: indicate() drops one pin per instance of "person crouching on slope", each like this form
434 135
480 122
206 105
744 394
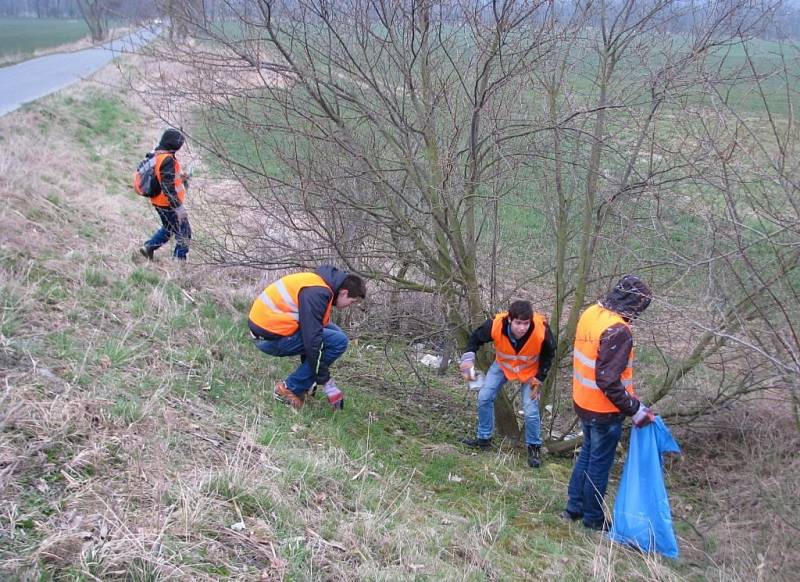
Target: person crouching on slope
292 317
524 349
169 204
603 395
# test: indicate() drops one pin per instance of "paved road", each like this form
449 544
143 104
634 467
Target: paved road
36 78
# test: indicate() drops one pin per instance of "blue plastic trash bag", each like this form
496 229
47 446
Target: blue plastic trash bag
642 517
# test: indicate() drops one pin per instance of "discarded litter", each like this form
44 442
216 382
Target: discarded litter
431 361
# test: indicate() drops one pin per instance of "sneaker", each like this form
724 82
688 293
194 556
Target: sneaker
567 515
534 459
477 443
147 252
285 395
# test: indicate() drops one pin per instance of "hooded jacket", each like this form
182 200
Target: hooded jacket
312 305
171 141
629 297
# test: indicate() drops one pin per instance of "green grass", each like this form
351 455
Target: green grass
24 36
103 125
384 478
11 314
252 146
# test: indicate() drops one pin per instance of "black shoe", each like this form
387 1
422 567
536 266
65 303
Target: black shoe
147 252
477 443
602 526
534 460
567 515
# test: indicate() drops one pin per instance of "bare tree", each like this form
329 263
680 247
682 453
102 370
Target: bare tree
96 14
477 152
605 158
378 127
183 15
746 169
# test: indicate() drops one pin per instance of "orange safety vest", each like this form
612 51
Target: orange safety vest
585 391
162 200
277 310
522 365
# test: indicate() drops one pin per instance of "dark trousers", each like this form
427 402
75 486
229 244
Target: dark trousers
589 480
169 227
334 344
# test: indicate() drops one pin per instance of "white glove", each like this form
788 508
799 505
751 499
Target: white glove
467 366
643 416
335 396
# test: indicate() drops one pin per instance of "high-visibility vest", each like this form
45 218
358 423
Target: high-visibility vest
277 310
162 200
585 392
522 365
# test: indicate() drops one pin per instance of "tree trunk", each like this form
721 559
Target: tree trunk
95 14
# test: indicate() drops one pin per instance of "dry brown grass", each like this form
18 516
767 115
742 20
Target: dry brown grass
737 487
98 480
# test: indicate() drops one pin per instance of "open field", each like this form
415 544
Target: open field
22 38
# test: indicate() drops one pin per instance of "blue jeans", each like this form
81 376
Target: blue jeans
170 226
334 344
589 480
495 380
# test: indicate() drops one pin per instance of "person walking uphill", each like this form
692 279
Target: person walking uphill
603 394
524 348
292 317
169 203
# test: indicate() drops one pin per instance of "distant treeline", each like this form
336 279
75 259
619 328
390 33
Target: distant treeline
122 9
784 25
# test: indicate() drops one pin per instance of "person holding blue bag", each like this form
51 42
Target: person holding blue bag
603 395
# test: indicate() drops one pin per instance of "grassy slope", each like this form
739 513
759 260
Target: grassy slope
139 439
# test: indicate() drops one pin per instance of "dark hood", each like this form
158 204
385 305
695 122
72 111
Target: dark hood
629 297
171 140
333 277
